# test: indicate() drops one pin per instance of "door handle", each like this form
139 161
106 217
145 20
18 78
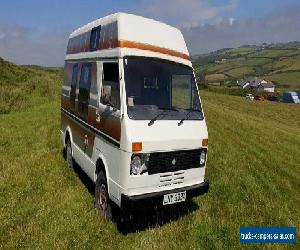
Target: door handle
86 142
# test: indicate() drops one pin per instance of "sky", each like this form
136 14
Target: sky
36 32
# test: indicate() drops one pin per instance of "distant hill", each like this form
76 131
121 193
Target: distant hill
279 63
25 86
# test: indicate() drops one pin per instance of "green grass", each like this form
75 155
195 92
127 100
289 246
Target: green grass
274 53
288 64
215 78
22 87
240 71
291 79
240 51
253 167
232 64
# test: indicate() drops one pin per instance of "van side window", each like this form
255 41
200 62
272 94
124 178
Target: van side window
110 91
73 86
95 38
84 90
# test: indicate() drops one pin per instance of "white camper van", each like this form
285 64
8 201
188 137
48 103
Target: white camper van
131 116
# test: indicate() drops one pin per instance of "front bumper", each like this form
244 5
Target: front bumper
156 199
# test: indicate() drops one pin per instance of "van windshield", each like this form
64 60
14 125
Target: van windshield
160 88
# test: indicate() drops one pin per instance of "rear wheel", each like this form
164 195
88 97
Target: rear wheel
69 154
102 201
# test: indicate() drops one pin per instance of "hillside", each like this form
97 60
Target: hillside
279 63
22 87
253 167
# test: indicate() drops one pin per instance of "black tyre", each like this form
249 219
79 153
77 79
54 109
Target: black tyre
102 202
69 154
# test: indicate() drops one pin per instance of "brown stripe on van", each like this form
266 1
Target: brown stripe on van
78 134
65 102
109 36
109 124
92 116
143 46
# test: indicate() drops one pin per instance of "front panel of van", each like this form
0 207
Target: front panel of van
171 136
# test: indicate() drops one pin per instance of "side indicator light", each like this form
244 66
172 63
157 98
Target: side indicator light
204 142
137 146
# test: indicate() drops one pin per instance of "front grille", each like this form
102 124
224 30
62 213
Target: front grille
169 179
163 162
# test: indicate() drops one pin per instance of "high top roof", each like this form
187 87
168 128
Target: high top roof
142 31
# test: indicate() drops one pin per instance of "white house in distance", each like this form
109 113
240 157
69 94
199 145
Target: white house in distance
257 84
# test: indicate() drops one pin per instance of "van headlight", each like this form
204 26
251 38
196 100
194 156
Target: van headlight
139 164
202 158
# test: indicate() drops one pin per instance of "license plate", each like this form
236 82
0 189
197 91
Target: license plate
174 198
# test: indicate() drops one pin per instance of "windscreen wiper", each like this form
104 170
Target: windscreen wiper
163 113
172 109
190 111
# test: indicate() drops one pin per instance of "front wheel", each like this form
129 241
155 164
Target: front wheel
102 202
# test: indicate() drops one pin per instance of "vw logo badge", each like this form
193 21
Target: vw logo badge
174 162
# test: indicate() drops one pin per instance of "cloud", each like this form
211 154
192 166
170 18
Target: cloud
13 31
186 13
22 45
280 26
231 20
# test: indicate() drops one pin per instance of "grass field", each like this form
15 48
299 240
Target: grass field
240 71
215 78
253 166
292 79
288 64
22 87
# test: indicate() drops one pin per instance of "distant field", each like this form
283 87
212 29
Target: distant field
279 63
253 166
240 51
238 67
288 64
240 71
215 77
275 53
292 79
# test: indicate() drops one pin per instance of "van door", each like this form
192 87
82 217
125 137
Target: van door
109 106
83 133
